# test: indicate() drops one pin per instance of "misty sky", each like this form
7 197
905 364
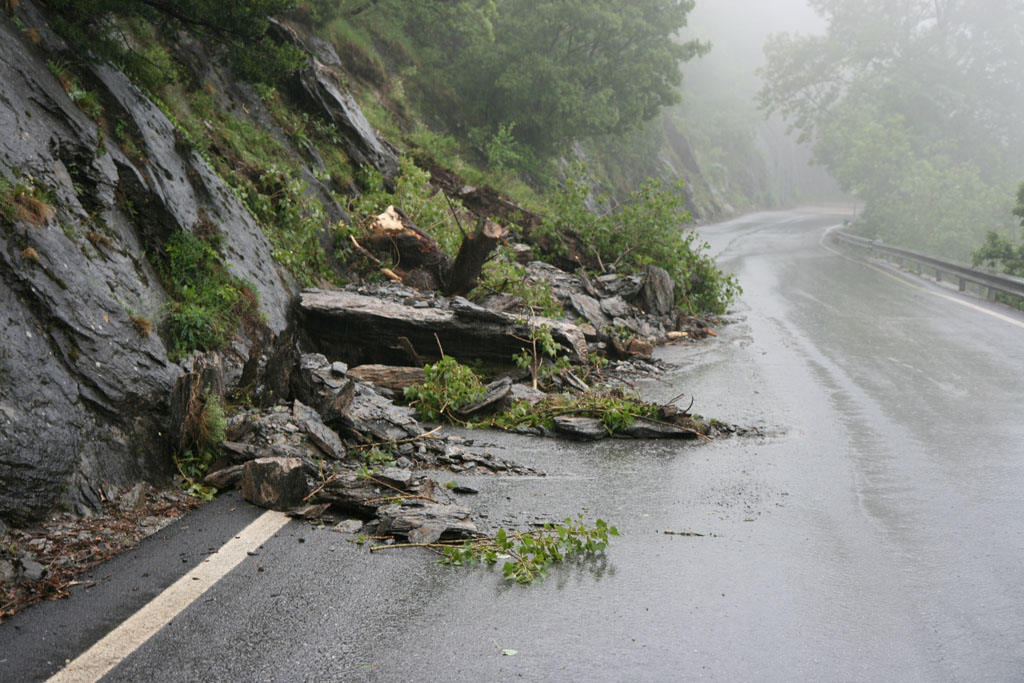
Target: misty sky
757 17
737 30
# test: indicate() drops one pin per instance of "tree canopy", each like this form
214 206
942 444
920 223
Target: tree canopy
914 107
542 73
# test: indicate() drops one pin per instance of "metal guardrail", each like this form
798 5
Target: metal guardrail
989 283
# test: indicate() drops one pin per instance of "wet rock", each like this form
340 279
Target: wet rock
30 569
309 511
319 86
589 308
580 428
349 526
525 392
649 429
373 418
425 522
225 478
615 307
639 347
496 398
658 293
315 383
395 476
616 285
338 323
275 483
320 434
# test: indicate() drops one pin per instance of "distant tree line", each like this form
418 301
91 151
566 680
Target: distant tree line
914 106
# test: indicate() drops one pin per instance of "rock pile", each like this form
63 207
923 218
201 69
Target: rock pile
332 444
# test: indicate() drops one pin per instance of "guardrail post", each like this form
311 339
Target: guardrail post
962 284
938 275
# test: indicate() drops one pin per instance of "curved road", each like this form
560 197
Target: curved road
875 532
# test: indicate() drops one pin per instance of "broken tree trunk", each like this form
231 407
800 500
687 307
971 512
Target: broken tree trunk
473 254
418 259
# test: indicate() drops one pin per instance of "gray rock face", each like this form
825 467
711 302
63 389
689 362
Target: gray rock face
658 293
83 390
590 309
275 483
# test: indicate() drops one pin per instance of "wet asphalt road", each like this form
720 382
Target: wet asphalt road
876 533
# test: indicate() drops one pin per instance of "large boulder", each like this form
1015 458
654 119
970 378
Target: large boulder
658 295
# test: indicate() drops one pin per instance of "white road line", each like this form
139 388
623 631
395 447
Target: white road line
95 662
902 281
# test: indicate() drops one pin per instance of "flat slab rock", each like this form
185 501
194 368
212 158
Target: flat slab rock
426 522
339 323
592 429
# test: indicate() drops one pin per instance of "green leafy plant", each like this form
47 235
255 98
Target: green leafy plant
529 554
208 304
644 230
447 386
617 410
376 458
502 275
541 357
1000 252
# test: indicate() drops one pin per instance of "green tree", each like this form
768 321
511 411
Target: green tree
529 77
913 106
560 70
998 251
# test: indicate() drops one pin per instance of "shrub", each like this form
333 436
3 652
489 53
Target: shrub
447 386
429 210
646 229
208 303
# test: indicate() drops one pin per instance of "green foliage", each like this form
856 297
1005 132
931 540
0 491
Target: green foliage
87 100
999 252
529 80
529 554
617 410
429 210
538 356
6 200
377 457
448 385
646 229
913 107
238 28
208 304
265 177
502 275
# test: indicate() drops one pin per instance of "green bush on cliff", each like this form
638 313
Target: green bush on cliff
645 229
208 304
238 28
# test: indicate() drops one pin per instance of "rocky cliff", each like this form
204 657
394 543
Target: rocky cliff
84 369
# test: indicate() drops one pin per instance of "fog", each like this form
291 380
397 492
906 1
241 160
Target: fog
912 105
722 87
